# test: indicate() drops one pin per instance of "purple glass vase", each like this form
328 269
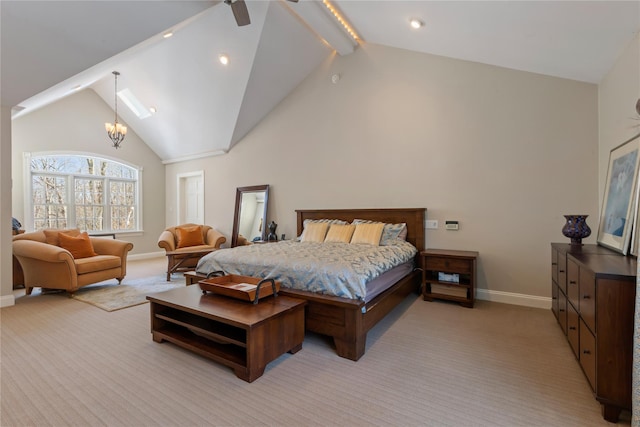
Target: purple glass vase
576 228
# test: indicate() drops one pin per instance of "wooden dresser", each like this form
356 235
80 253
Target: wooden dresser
593 297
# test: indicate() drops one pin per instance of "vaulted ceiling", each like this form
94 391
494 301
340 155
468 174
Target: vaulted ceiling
48 48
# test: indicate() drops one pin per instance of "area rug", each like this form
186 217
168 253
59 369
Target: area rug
110 296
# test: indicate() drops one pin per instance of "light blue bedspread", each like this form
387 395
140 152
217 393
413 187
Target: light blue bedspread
338 269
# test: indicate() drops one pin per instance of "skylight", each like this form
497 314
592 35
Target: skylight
134 104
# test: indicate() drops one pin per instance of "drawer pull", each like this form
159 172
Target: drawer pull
573 328
586 351
561 271
554 263
572 282
586 296
561 310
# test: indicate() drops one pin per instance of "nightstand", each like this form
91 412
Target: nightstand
449 275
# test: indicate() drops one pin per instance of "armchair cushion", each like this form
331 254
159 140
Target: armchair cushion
80 247
189 236
97 263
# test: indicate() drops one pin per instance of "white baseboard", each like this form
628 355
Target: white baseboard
148 255
513 298
7 301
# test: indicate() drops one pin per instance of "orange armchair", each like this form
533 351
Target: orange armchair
185 244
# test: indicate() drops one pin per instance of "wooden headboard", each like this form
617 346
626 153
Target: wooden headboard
413 217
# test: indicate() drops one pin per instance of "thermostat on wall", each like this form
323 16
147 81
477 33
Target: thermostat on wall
451 225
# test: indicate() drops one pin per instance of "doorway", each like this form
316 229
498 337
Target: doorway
191 198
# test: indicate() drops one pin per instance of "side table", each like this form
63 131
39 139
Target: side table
176 258
449 275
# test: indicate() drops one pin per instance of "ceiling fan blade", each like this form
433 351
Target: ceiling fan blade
240 12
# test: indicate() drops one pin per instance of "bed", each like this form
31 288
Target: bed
346 319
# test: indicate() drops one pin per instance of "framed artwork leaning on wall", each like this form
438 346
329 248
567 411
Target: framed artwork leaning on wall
619 203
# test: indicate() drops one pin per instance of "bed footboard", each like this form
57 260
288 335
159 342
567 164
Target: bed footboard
348 321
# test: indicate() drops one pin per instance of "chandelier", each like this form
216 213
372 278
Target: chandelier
116 131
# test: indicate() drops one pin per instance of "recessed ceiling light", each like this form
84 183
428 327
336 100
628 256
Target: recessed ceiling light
167 34
153 110
223 58
416 23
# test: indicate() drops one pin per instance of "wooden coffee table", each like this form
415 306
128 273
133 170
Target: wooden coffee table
238 334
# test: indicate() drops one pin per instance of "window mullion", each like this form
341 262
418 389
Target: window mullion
107 205
71 202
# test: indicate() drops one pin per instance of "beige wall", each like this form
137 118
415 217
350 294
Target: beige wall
504 152
76 123
617 96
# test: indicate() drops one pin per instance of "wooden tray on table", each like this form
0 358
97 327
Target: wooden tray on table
244 288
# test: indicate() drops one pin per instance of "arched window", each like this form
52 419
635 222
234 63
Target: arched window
88 192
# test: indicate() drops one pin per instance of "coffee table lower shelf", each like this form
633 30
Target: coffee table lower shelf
237 334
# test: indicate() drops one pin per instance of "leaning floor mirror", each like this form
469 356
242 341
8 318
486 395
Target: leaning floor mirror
249 222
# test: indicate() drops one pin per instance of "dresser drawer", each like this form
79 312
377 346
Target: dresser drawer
449 265
562 312
573 280
554 299
554 265
573 330
587 298
562 272
588 354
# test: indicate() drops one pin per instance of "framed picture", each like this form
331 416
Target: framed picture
619 204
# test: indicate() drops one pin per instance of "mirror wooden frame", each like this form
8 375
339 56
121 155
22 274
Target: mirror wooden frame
240 191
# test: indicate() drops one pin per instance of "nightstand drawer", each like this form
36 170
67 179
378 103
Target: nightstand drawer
449 265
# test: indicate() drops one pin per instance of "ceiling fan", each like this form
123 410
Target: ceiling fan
240 11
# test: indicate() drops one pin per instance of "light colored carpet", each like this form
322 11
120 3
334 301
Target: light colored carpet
427 364
110 296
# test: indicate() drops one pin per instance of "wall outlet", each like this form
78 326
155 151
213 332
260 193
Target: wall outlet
451 225
431 224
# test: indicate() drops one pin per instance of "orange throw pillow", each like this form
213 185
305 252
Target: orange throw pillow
190 236
51 236
80 247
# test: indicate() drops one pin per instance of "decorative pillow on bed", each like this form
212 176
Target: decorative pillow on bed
390 231
368 233
313 221
314 232
189 236
328 221
80 247
340 233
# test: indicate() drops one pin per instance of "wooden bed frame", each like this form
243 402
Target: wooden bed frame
346 320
